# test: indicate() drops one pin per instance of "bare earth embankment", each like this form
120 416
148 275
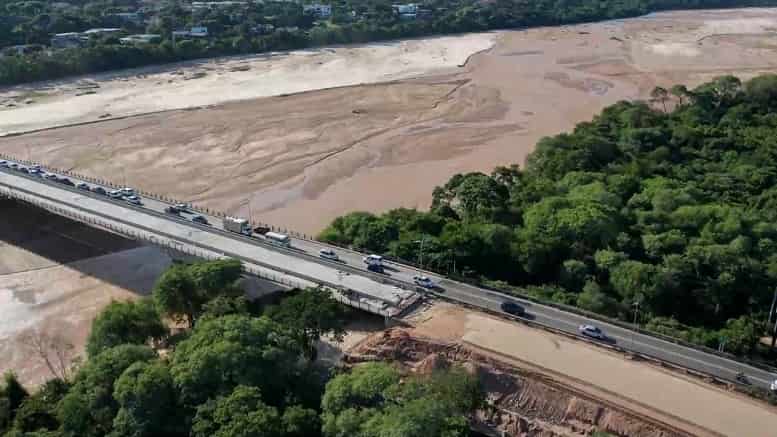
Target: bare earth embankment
306 158
541 384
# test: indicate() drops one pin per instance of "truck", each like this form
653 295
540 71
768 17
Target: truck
237 225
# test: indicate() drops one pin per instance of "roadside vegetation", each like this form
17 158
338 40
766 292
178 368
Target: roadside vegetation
233 368
256 27
666 209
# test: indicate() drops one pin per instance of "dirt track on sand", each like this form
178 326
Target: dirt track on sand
643 390
306 158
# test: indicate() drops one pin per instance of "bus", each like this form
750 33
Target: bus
278 239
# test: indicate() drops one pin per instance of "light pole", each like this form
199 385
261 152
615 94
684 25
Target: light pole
637 301
420 252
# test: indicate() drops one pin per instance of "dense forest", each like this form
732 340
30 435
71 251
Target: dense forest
231 30
237 369
670 205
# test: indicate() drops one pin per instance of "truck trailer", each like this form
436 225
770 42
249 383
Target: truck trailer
237 225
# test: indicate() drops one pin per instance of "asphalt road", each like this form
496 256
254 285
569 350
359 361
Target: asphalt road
351 263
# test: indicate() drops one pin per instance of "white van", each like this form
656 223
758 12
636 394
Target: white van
373 260
278 239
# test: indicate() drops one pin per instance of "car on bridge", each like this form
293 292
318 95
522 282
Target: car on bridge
200 219
328 254
66 181
4 164
424 282
115 194
134 200
83 186
173 210
99 190
513 308
591 331
182 207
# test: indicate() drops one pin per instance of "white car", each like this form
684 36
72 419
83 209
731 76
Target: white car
135 200
591 331
773 386
182 207
423 281
127 191
373 260
328 254
115 194
82 186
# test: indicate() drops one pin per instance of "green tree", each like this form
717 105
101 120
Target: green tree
125 322
89 407
148 404
234 350
241 414
371 401
39 411
183 290
310 314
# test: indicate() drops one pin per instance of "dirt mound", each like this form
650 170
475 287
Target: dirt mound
520 402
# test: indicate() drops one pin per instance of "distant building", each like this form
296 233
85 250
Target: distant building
406 11
194 32
22 49
196 6
319 10
101 31
68 40
199 32
263 29
145 38
127 17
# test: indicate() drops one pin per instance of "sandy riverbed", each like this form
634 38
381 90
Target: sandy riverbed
215 81
306 158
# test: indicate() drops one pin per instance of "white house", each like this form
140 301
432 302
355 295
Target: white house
319 10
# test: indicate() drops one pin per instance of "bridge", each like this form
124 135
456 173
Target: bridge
388 294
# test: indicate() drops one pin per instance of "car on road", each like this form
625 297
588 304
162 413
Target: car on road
512 308
182 207
200 219
261 230
36 172
773 386
373 260
50 177
591 331
82 186
115 194
23 169
4 164
99 190
172 210
66 181
13 166
135 200
328 254
424 282
127 191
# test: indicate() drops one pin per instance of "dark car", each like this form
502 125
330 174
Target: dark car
172 210
513 308
23 170
200 219
377 268
261 230
99 190
66 181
